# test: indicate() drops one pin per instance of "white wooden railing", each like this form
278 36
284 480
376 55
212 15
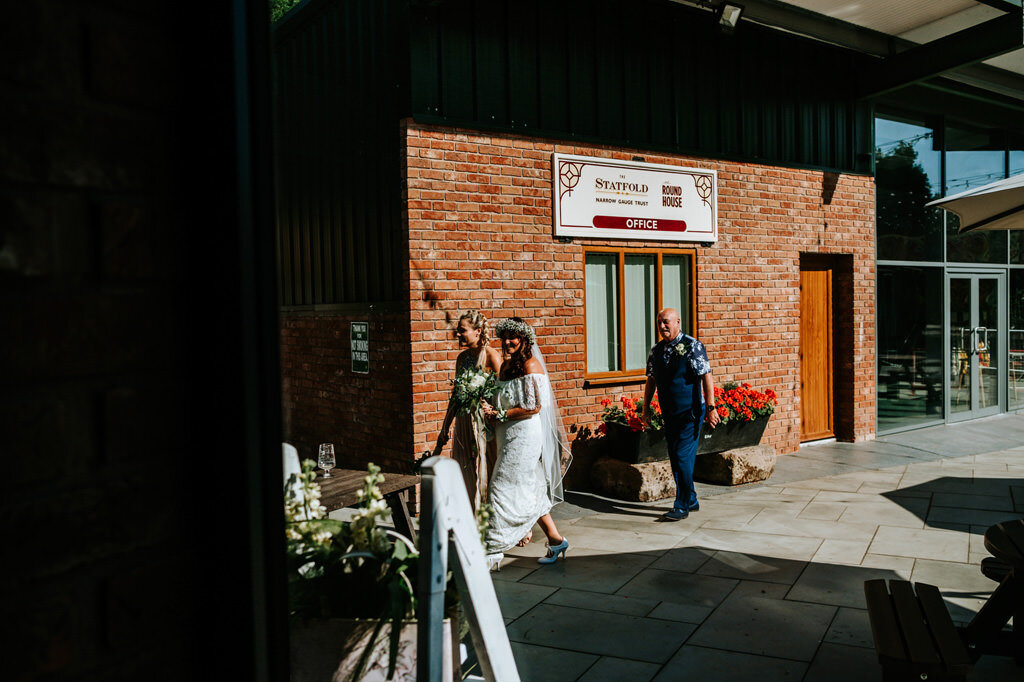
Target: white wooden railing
448 530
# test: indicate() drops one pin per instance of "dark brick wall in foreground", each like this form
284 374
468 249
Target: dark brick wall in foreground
130 352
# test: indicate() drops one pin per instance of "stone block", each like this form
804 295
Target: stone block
634 482
739 465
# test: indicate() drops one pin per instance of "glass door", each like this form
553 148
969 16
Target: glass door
977 376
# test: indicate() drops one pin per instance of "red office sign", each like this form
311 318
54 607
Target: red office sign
611 199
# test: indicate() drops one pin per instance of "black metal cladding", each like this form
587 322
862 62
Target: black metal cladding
645 74
651 75
340 74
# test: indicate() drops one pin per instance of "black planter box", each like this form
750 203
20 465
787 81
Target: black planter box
649 446
735 434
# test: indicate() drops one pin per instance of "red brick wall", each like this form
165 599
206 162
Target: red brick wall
367 416
480 236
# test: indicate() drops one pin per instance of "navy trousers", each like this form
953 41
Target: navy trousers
682 438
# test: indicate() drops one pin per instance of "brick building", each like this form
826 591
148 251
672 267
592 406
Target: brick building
450 206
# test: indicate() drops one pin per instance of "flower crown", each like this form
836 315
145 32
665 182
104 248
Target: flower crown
510 327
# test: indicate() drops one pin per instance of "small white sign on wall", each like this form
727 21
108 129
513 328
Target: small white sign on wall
609 199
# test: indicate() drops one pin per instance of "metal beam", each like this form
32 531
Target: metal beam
816 26
1002 5
969 46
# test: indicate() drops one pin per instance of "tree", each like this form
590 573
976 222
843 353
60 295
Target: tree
278 8
906 229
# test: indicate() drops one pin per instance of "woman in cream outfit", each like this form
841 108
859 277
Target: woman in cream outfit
471 448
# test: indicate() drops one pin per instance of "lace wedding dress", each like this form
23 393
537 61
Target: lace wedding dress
519 487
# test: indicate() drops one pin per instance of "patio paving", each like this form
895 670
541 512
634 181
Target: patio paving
766 581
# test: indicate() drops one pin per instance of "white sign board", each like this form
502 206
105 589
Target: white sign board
610 199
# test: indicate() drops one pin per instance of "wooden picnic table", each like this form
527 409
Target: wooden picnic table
1005 541
340 489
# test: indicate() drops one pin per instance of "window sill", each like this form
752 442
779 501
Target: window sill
612 381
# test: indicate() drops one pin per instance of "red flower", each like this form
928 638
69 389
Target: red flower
606 402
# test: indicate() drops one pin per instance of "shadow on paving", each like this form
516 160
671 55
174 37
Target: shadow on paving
957 502
578 504
686 612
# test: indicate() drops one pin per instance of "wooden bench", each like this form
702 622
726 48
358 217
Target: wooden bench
915 638
995 569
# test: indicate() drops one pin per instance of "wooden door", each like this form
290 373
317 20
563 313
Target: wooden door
815 350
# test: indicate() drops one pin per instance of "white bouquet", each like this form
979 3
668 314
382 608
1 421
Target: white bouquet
473 386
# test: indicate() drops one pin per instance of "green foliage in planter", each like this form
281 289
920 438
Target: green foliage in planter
356 568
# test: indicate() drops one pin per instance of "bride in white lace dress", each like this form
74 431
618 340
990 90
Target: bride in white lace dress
532 451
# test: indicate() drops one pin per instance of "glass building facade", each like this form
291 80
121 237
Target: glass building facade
950 307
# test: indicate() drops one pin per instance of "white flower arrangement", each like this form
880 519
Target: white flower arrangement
510 327
473 386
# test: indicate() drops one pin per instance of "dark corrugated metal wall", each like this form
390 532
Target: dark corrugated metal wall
340 75
643 74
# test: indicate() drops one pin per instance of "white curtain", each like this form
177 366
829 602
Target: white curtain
602 312
675 288
640 312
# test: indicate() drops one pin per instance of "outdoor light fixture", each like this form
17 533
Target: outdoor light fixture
727 16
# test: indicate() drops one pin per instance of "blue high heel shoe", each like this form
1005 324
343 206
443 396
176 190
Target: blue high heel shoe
553 552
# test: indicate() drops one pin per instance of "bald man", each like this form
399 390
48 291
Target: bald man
678 370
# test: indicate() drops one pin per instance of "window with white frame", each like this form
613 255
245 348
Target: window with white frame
625 289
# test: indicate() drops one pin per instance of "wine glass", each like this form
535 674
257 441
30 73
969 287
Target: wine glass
326 458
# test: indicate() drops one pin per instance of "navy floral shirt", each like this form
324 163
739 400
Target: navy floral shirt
690 348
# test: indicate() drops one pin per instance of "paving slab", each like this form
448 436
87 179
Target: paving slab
766 627
834 551
511 572
772 522
608 669
995 669
621 541
822 511
634 525
683 559
594 573
782 546
702 663
607 634
888 513
756 588
596 601
835 584
973 502
944 545
742 566
952 576
851 627
545 664
678 588
828 483
900 566
978 517
683 613
515 599
839 663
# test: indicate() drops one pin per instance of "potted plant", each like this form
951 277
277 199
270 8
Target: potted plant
351 588
744 412
623 424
